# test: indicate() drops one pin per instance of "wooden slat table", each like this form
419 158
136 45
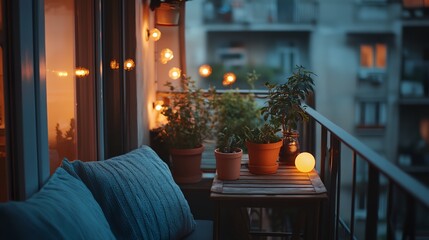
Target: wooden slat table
288 188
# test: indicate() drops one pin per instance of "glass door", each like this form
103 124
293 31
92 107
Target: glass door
70 80
4 166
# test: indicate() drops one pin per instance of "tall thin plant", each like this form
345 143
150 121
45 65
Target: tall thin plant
283 106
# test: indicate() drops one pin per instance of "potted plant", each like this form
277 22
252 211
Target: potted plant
263 146
167 12
228 155
188 123
284 108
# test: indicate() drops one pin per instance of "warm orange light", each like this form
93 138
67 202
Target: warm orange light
154 34
129 64
228 79
81 72
166 55
62 74
174 73
305 162
205 70
114 64
158 105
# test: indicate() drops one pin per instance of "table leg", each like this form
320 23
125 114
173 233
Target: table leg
297 224
216 230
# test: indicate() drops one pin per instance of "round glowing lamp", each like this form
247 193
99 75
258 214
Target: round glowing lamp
174 73
305 162
205 70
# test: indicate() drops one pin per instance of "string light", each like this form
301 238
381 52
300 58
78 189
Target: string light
166 55
158 105
81 72
205 70
154 34
174 73
114 64
129 64
228 79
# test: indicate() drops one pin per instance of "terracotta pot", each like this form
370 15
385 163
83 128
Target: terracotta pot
228 165
290 148
168 14
186 164
263 157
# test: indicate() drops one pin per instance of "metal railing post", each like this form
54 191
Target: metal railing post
333 186
372 203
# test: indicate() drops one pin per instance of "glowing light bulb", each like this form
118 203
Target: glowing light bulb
305 162
155 34
81 72
228 79
114 64
129 64
158 105
166 55
205 70
62 74
174 73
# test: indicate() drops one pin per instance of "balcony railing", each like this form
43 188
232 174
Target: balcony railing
369 196
260 11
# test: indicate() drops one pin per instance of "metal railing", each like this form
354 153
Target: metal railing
369 196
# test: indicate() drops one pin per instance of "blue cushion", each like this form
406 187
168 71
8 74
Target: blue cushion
137 194
63 209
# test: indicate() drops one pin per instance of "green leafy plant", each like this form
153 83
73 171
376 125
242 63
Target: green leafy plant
188 115
267 133
228 141
234 111
283 106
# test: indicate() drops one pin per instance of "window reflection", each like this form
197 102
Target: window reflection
60 88
4 196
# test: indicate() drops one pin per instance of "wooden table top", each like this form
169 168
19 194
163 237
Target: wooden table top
288 182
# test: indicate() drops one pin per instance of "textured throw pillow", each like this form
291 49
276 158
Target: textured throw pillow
137 194
63 209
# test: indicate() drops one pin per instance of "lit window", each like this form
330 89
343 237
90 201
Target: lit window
366 56
381 52
373 56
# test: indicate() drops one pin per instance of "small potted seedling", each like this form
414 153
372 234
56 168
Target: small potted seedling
228 155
